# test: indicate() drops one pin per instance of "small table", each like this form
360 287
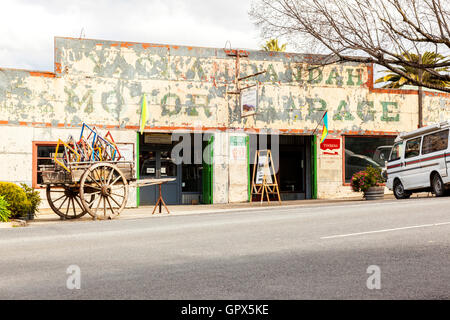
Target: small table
159 182
160 200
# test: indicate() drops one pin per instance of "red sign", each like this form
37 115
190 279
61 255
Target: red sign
331 144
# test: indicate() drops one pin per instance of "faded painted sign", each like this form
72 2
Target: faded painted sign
238 148
102 83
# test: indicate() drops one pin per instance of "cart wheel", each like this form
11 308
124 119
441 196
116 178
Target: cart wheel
65 201
103 191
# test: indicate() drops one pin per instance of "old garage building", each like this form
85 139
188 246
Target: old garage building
192 101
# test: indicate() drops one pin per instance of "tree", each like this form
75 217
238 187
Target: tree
394 80
272 45
364 31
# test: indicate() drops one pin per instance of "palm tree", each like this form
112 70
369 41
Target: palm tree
272 45
394 80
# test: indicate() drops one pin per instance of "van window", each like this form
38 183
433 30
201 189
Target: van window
396 152
412 148
435 142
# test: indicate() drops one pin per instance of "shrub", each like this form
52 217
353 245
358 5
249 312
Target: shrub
18 203
33 196
4 211
363 180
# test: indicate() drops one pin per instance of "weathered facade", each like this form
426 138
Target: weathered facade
188 89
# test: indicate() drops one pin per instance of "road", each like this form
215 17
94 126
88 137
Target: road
314 252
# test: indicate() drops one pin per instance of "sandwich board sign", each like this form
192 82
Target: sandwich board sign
263 170
264 180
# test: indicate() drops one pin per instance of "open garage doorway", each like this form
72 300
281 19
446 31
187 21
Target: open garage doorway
193 176
292 158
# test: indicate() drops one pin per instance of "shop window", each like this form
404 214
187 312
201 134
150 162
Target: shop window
155 161
43 154
168 167
435 142
147 164
363 151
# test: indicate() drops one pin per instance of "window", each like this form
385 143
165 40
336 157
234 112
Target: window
43 153
396 152
364 151
147 164
412 148
435 142
168 166
358 161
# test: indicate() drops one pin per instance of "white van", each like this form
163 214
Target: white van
418 161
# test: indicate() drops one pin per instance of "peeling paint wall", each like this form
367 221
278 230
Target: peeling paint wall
102 83
237 170
221 167
16 149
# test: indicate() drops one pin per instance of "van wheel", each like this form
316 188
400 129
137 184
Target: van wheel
437 185
399 191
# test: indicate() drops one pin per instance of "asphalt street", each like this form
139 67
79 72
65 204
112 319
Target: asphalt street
313 252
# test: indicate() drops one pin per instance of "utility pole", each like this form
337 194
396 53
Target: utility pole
420 94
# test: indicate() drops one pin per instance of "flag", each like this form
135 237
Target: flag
325 127
144 114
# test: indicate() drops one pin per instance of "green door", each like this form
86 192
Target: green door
207 172
314 167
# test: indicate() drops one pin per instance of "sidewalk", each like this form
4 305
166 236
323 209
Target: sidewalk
48 216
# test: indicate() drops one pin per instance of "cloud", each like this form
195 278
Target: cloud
28 27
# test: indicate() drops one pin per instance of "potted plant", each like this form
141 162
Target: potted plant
5 214
369 181
22 201
35 200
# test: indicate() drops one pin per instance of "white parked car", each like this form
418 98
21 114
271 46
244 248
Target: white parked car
418 161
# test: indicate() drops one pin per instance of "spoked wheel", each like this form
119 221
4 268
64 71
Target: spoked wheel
65 201
104 191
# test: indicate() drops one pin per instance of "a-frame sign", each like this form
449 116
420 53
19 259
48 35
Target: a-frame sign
264 180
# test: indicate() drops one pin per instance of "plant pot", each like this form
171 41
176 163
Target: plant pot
29 216
374 193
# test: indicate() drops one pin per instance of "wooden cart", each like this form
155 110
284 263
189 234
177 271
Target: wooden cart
97 188
88 176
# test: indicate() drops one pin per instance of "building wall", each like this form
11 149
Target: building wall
220 167
238 167
102 83
16 148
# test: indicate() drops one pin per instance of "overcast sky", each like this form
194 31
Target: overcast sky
27 27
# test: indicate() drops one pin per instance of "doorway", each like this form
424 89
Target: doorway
193 177
155 162
293 161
